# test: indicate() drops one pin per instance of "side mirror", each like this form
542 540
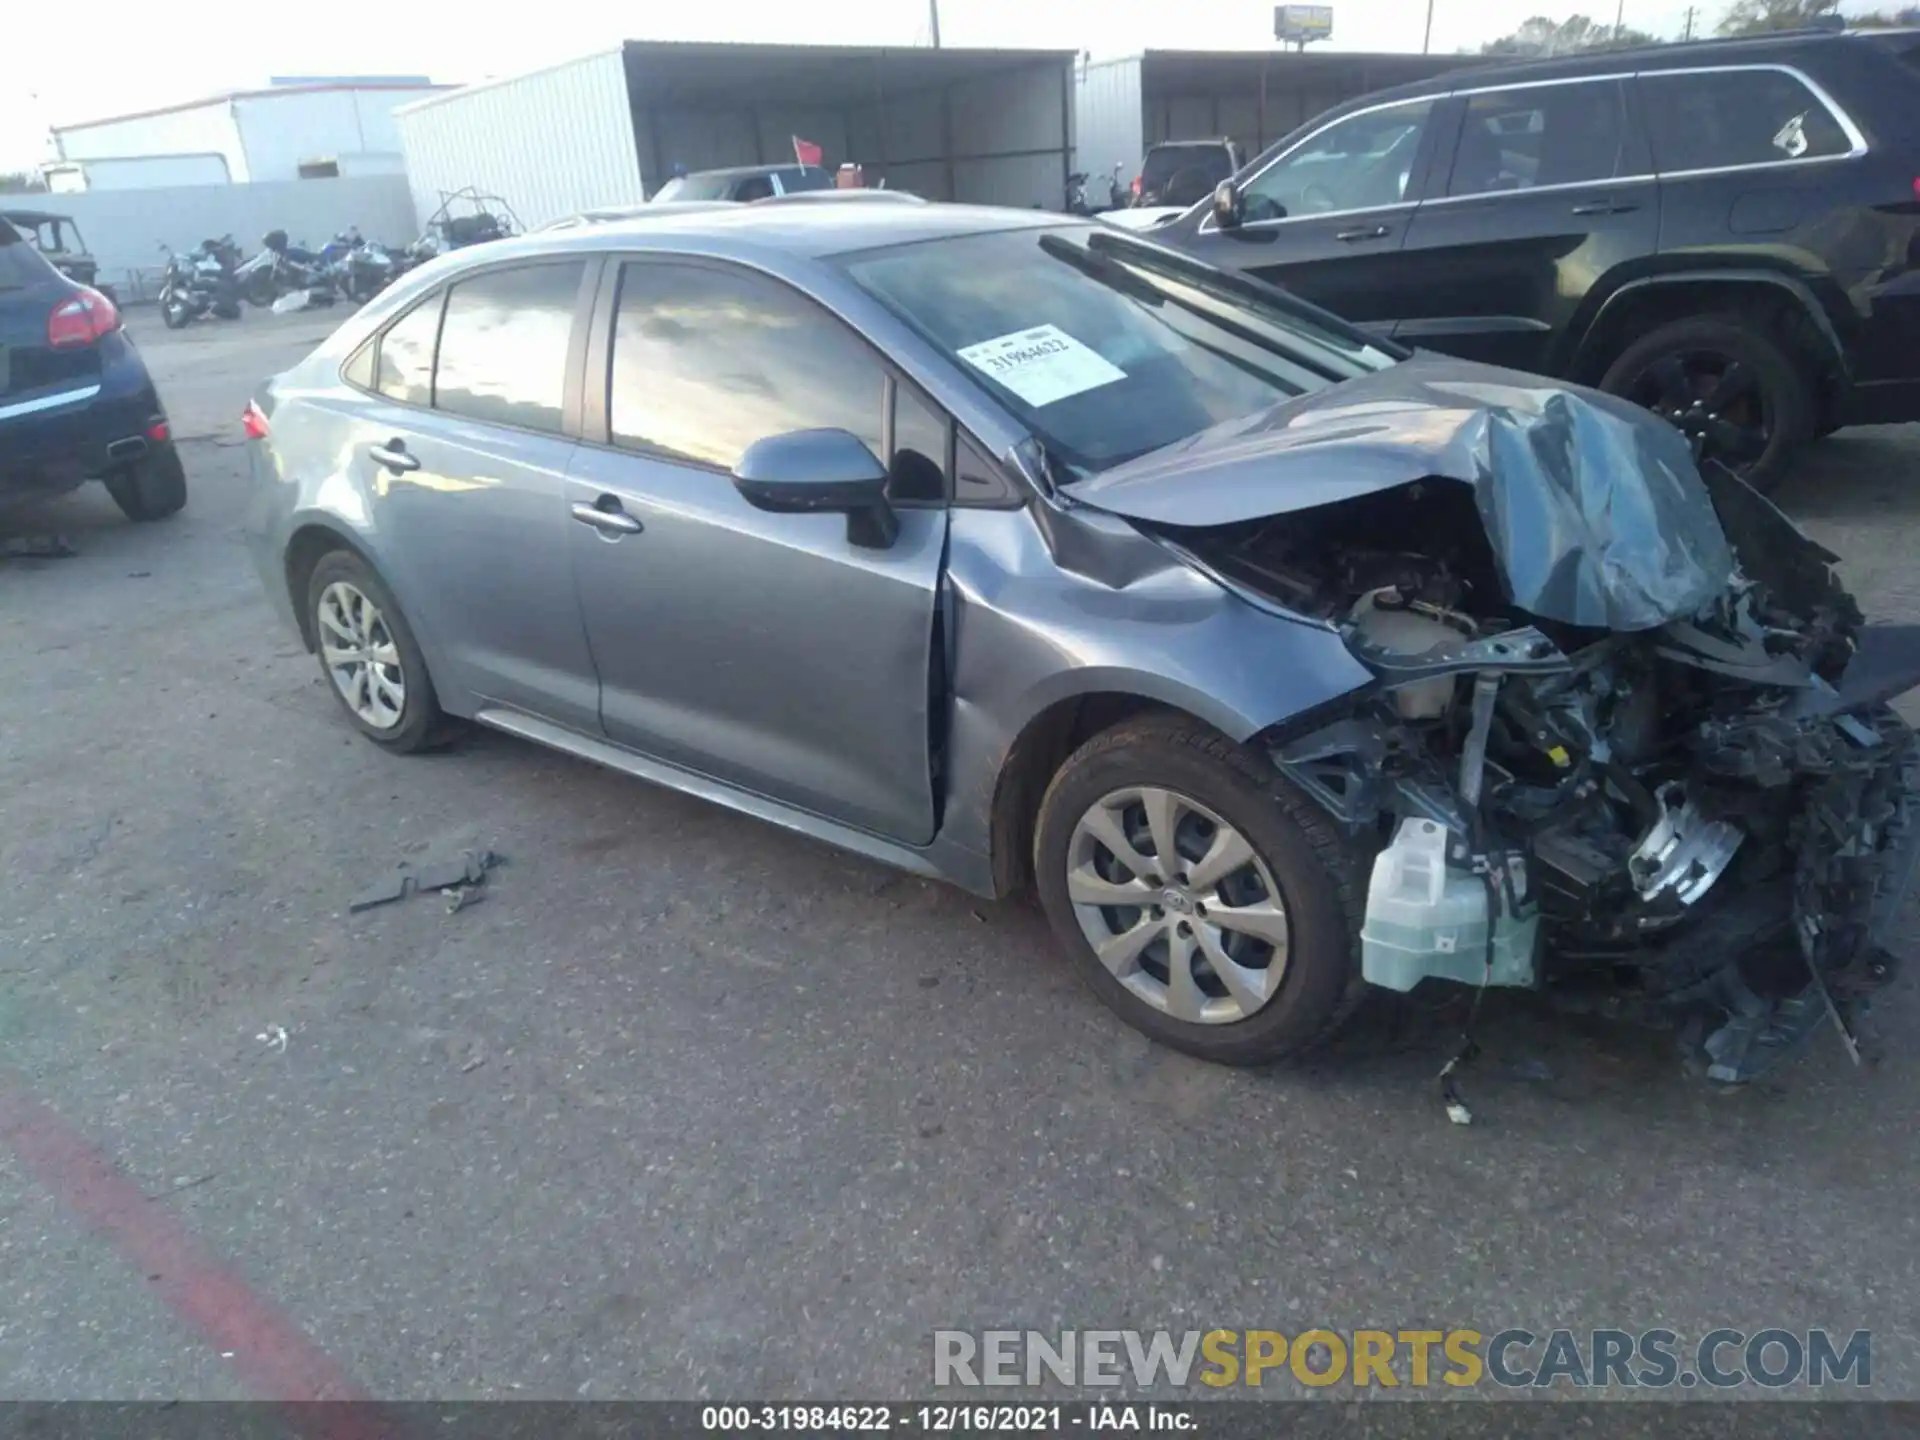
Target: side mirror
1226 205
815 471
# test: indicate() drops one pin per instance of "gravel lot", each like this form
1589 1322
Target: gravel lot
693 1107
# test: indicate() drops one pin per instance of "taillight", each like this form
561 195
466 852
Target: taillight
159 432
1136 184
81 320
1916 187
253 420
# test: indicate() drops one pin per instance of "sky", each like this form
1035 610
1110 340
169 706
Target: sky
42 83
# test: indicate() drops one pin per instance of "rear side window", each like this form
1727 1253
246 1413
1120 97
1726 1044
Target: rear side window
707 361
503 345
754 187
1717 118
405 371
806 177
1540 135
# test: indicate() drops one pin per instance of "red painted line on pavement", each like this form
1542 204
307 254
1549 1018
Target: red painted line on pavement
273 1356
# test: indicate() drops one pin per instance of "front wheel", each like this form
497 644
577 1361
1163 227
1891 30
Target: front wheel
1204 900
1732 388
260 289
173 310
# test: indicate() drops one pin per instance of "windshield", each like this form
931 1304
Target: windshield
1107 347
694 187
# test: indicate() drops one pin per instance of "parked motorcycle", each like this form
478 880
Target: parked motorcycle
359 268
280 269
200 282
1080 200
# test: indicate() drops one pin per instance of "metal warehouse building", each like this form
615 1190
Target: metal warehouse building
987 126
1253 96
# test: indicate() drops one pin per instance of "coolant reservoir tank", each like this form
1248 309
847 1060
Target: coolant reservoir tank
1407 634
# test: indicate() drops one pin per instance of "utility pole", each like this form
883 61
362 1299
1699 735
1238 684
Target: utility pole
933 19
1619 20
1426 43
1688 35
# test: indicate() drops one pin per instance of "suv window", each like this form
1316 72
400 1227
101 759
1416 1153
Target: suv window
405 372
753 187
805 177
1706 120
1540 135
1358 163
1184 174
503 346
707 361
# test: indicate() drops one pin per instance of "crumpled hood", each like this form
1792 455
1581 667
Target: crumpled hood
1595 510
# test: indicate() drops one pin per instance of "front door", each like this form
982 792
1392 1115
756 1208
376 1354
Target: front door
1327 219
765 650
1547 189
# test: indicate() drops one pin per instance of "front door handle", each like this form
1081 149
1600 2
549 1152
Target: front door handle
1364 232
1605 207
606 516
394 456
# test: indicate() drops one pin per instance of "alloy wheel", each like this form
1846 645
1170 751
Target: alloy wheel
361 656
1177 906
1716 401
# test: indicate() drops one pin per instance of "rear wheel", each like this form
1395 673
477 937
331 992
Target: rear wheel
151 488
1737 393
369 656
1208 903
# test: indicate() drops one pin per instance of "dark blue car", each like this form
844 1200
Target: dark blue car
76 402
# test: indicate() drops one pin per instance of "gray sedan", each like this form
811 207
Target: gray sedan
1016 550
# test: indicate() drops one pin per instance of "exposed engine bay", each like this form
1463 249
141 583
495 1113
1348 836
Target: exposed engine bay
1701 809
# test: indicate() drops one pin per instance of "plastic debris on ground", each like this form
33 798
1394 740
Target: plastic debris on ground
461 876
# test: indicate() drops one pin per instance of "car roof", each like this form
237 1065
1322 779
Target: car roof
812 231
730 171
35 217
1771 46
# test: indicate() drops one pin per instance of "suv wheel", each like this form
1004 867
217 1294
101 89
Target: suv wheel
369 656
1734 390
1208 903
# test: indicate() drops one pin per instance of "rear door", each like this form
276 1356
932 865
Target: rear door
764 650
463 446
1327 218
1543 190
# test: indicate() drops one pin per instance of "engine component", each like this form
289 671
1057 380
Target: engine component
1683 851
1426 918
1406 634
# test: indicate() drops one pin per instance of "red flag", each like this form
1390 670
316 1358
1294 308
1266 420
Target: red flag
806 152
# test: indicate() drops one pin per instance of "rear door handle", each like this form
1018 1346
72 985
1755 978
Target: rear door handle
1364 232
394 456
1605 207
606 516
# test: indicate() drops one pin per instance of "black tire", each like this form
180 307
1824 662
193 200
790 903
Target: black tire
421 724
1320 876
152 488
261 289
1783 389
173 310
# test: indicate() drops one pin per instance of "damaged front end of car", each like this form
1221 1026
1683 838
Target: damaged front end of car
1630 739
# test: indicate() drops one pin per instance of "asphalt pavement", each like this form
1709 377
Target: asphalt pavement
689 1106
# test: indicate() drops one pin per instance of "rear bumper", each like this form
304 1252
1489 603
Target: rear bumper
52 440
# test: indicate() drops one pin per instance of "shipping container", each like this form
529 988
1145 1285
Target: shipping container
984 126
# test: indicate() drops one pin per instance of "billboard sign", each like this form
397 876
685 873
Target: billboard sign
1298 24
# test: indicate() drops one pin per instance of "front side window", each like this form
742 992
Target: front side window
1540 135
1358 163
1719 118
405 371
503 345
706 361
1104 346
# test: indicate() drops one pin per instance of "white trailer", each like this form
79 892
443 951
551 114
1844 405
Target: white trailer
983 126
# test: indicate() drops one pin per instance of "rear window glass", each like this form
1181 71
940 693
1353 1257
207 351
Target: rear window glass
1209 164
19 263
1542 135
503 346
1704 121
405 372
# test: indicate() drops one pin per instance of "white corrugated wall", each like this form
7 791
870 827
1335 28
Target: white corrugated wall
1108 120
551 143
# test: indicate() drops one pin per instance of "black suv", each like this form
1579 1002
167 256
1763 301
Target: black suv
1727 232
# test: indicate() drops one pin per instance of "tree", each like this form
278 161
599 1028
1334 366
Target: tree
21 182
1541 36
1752 17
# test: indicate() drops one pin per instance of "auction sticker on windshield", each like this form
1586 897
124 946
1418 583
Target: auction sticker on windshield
1042 365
